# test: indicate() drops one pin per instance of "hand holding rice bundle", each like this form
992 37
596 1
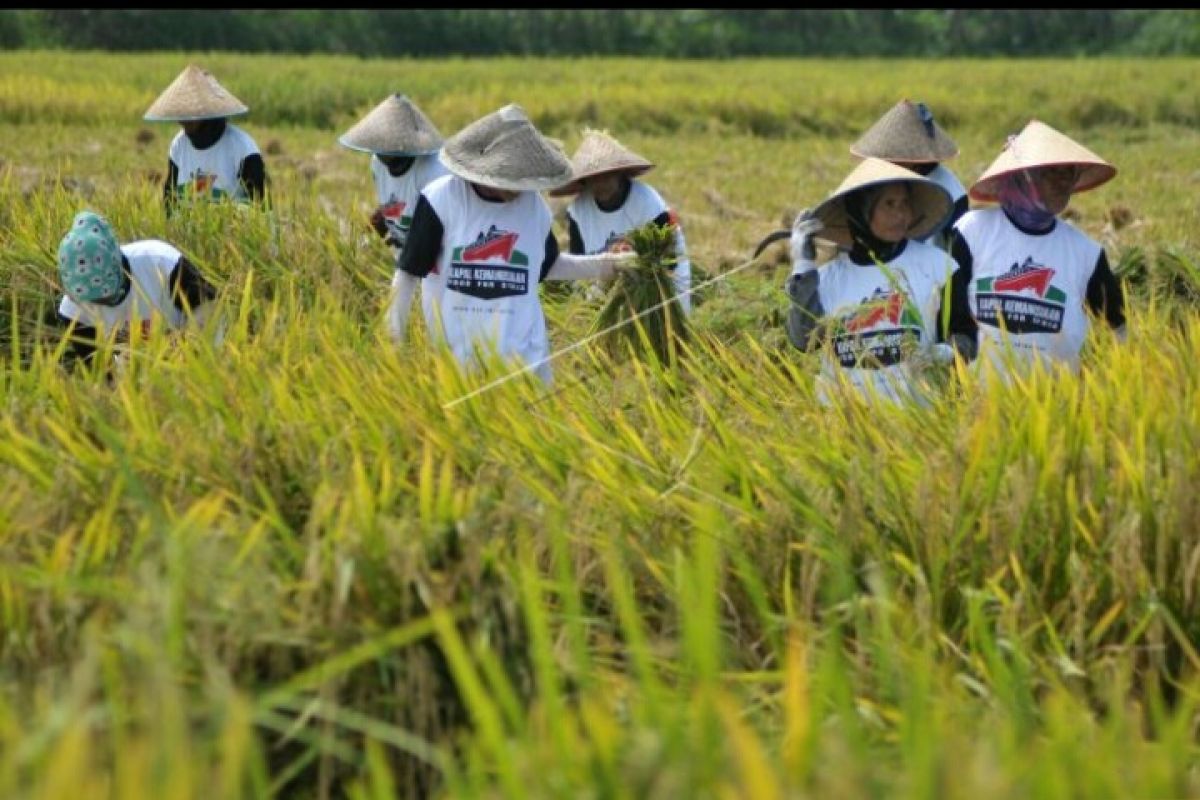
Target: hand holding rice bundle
643 308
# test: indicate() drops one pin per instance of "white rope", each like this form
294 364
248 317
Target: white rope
528 367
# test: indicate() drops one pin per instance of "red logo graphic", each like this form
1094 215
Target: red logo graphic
1027 276
394 210
491 245
886 308
203 182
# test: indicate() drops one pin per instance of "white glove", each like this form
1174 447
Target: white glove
804 252
404 286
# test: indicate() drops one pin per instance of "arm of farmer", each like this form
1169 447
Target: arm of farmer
81 339
194 296
418 259
169 197
378 223
680 267
806 312
253 175
962 332
569 267
1105 296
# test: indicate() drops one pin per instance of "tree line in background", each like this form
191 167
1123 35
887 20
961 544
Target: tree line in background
629 32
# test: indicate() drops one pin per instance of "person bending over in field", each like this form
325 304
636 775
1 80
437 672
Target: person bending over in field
211 157
404 145
1026 279
122 290
873 308
610 202
908 136
486 231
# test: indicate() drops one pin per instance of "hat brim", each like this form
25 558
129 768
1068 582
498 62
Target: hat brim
1091 176
201 118
360 148
576 186
931 200
530 184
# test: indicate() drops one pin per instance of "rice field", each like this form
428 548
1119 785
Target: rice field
300 564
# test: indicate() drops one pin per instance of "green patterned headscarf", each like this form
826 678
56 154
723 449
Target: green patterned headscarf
89 260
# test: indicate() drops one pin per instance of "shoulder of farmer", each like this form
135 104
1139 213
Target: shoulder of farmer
647 196
244 140
444 192
187 282
432 168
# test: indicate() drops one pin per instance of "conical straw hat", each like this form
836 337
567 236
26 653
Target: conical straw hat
907 134
395 127
599 153
931 203
194 95
1039 145
505 151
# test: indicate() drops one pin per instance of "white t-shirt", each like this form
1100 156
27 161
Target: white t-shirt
1034 286
151 263
489 269
877 322
398 197
213 171
604 231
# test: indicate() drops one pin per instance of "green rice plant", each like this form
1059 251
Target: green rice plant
642 313
310 563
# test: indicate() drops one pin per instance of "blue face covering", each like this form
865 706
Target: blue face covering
1019 197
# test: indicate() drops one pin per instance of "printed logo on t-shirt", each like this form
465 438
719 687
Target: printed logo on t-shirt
201 184
879 332
490 267
397 222
1022 300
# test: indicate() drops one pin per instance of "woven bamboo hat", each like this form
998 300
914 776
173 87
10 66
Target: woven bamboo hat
504 151
395 127
194 95
599 153
907 134
1039 145
930 202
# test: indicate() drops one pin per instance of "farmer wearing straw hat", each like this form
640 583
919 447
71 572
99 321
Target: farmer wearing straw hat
877 300
404 144
611 202
486 231
908 136
210 157
1026 279
124 290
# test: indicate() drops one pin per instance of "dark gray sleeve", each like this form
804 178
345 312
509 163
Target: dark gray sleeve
424 242
169 196
575 244
253 175
1104 293
805 315
962 331
189 289
81 340
551 255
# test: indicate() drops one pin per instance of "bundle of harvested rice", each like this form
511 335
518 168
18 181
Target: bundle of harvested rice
648 284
